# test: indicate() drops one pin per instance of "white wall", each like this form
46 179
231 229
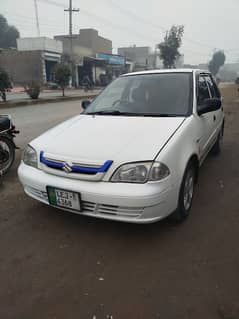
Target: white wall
42 44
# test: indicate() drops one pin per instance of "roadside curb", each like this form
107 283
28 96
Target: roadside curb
46 100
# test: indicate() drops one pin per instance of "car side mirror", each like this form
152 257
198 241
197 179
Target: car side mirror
210 105
85 104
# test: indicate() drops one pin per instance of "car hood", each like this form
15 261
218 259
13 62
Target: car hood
99 138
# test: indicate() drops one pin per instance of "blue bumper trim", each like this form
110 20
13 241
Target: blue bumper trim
75 168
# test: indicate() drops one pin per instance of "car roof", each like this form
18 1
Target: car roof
160 71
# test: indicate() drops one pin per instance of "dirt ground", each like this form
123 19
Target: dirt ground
56 265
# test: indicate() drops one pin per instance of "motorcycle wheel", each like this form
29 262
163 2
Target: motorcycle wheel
7 154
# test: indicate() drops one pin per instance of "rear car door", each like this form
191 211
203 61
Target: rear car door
217 116
206 126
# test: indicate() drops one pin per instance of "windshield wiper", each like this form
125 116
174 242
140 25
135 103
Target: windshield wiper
171 115
116 112
112 113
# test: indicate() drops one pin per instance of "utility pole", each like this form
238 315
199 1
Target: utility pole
71 10
37 18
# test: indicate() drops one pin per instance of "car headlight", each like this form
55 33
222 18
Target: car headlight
30 156
140 172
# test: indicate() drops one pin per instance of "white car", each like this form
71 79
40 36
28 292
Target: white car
133 155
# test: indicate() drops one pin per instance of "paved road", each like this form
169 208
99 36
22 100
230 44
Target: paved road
35 119
58 265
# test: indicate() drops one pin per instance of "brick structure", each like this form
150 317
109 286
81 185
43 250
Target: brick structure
23 66
88 38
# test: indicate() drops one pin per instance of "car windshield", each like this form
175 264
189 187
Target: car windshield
160 94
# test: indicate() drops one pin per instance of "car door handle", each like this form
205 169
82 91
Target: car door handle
214 118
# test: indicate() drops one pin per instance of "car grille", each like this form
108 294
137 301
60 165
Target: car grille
112 210
95 208
74 167
37 193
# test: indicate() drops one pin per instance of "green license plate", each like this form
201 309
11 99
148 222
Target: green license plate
65 199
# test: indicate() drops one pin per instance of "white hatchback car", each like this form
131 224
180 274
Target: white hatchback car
133 155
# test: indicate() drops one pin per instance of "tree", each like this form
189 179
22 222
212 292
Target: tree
62 76
218 60
5 84
169 47
8 34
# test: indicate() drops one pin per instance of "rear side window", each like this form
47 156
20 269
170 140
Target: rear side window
212 87
203 91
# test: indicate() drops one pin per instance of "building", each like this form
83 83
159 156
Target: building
103 68
75 55
191 66
143 58
88 38
115 64
202 66
50 50
91 56
22 67
140 56
34 60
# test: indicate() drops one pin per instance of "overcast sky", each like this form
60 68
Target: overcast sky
209 24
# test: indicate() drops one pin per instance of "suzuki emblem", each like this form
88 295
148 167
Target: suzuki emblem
67 167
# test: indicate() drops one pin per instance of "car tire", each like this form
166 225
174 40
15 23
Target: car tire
217 147
185 194
5 167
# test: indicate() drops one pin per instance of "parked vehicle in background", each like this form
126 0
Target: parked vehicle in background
7 145
134 154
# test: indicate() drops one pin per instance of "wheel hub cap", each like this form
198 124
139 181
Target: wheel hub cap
188 190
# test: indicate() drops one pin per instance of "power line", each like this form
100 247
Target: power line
8 12
96 17
126 29
55 3
157 26
21 21
133 15
148 22
145 21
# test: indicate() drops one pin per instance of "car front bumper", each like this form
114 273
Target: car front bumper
136 203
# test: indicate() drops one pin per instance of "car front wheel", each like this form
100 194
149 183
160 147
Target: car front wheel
186 194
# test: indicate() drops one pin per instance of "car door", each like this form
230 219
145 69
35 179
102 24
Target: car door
217 115
206 126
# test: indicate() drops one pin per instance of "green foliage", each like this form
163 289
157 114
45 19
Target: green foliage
218 60
62 76
33 90
8 34
5 83
169 47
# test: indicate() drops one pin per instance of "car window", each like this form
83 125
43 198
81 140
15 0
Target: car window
203 91
212 87
159 94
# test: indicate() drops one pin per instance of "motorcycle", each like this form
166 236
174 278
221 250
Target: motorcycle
7 145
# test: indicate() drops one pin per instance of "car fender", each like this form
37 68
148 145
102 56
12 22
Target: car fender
179 150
